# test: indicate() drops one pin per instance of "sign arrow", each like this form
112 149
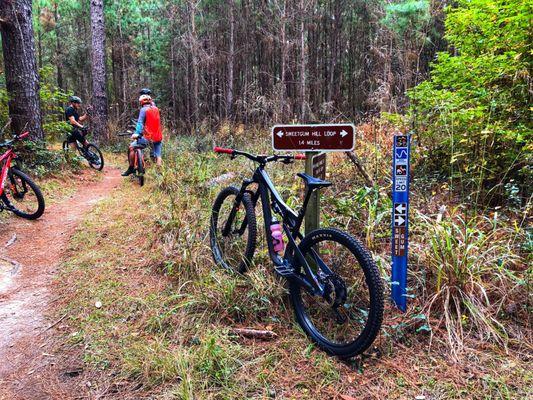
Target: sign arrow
343 133
280 134
399 220
401 208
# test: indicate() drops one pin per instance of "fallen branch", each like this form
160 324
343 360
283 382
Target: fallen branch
255 333
359 166
54 324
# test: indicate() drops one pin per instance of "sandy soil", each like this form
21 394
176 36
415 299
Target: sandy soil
30 253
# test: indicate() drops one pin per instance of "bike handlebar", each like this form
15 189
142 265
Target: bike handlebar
22 136
222 150
260 159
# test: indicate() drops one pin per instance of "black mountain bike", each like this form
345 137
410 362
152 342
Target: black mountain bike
335 287
91 153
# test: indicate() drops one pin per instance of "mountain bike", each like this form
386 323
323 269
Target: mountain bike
19 194
334 285
91 153
139 163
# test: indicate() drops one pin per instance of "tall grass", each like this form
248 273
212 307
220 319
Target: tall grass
472 272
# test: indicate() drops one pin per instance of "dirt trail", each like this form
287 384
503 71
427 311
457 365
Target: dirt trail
27 267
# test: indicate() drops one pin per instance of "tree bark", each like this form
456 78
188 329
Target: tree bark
22 78
303 63
231 57
284 54
194 61
59 50
99 117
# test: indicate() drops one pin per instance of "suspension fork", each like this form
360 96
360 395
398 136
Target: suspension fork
238 199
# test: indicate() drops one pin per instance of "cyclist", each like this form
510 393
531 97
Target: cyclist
148 129
72 116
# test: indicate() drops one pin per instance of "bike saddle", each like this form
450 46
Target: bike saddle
313 183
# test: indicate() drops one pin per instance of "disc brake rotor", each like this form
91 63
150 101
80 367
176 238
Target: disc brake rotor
335 294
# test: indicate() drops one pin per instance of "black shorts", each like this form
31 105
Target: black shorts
76 135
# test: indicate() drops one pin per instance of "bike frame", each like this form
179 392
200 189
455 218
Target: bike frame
293 259
6 159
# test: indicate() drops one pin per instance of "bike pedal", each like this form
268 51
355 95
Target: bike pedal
284 270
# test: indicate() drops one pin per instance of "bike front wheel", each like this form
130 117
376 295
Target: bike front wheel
22 196
140 166
347 318
94 157
233 230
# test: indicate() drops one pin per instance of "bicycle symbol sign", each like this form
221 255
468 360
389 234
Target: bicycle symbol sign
400 219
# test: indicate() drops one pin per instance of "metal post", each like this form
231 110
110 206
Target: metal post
400 219
312 214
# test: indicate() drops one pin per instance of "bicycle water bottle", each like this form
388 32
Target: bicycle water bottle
277 236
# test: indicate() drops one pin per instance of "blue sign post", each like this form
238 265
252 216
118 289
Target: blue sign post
400 214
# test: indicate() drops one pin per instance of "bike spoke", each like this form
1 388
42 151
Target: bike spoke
341 314
20 196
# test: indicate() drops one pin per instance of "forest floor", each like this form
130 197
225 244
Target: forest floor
99 301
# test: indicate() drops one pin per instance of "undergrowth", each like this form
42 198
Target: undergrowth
166 324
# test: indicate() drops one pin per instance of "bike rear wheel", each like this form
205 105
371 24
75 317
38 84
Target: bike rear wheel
348 318
22 196
234 249
94 157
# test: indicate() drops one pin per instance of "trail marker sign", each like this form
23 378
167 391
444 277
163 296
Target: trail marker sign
333 137
400 219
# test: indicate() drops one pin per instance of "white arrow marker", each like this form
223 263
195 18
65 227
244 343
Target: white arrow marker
280 134
400 208
343 133
399 220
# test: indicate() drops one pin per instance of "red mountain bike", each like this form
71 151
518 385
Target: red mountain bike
18 193
138 161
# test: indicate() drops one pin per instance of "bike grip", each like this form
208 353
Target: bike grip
299 157
24 135
222 150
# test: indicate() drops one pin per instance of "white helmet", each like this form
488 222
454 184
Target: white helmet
145 98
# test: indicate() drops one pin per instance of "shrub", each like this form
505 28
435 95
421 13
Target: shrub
473 114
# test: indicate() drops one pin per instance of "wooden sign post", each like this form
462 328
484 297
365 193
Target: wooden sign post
314 140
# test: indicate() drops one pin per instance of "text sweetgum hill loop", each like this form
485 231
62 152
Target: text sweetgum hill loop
313 137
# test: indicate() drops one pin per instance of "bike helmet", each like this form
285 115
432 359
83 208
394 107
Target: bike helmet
145 91
75 99
145 99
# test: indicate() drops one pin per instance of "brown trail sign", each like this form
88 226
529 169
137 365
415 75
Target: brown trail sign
313 139
335 137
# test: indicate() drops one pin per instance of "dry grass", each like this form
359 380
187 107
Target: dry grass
164 329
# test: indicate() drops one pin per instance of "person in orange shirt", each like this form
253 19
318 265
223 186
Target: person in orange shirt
148 129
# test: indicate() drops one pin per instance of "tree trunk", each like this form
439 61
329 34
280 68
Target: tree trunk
194 61
284 54
22 79
229 97
123 70
303 63
99 118
59 50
